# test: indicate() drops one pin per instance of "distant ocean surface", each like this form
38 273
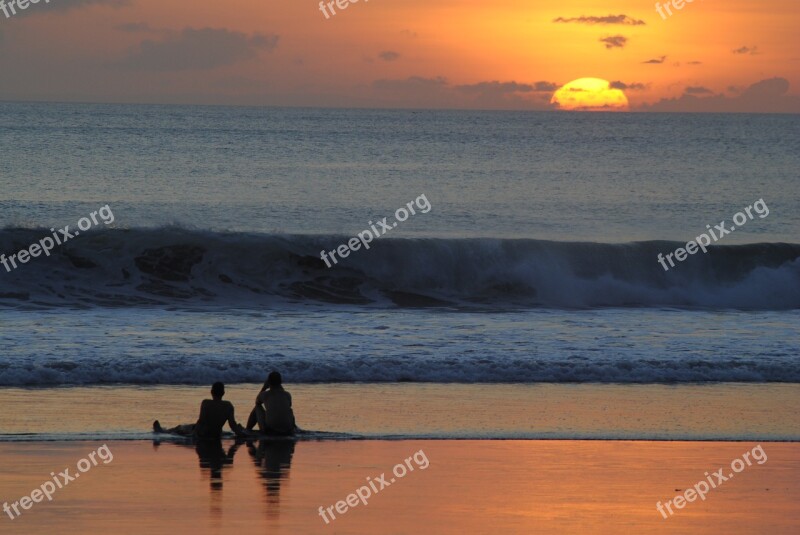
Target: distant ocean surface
536 263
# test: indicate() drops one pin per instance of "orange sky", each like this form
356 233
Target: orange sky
403 53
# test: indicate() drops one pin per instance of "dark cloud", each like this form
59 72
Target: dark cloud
545 86
694 62
388 55
412 82
746 50
205 48
134 27
658 61
698 90
64 5
608 19
771 87
61 6
630 87
509 95
766 96
614 41
496 87
417 90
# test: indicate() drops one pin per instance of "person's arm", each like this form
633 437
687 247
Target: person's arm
294 420
235 427
203 411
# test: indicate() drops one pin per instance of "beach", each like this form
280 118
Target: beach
727 412
469 487
489 467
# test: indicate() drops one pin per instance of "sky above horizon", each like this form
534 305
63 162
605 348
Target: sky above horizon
736 55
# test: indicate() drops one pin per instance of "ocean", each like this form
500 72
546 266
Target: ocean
537 261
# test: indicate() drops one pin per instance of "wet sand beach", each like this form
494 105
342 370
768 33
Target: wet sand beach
467 487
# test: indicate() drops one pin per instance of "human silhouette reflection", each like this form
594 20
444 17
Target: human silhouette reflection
272 459
213 458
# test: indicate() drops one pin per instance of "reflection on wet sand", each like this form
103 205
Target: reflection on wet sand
272 458
212 456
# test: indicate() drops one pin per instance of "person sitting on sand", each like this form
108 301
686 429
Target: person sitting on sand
273 410
213 415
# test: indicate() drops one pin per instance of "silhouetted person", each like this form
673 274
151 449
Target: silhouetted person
273 411
213 415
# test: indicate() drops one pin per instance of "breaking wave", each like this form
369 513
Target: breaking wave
178 267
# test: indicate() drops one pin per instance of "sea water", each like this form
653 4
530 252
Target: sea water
537 261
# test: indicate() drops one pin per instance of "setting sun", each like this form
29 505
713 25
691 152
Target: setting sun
590 94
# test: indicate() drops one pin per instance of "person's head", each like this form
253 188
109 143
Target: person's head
274 379
217 390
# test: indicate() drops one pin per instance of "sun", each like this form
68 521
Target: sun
590 94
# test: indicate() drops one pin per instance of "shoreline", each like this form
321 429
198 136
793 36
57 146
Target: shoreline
412 411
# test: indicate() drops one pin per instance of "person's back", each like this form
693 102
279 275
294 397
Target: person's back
279 414
273 411
213 415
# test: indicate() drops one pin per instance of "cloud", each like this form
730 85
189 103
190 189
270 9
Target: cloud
694 62
204 48
72 4
496 87
545 86
746 50
417 90
503 95
771 87
388 55
658 61
412 82
608 19
409 33
62 6
630 87
698 90
134 27
766 96
495 94
614 41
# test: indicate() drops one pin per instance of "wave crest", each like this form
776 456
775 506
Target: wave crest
175 266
